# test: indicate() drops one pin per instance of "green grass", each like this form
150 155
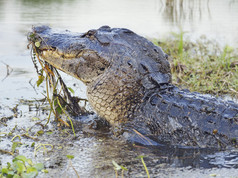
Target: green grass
203 65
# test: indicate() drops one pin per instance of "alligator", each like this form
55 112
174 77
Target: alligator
128 81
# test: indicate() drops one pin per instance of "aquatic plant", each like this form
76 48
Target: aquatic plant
60 100
21 167
143 162
118 167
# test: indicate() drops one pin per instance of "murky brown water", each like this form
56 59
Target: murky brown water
217 19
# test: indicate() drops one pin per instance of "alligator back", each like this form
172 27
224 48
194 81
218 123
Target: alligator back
191 119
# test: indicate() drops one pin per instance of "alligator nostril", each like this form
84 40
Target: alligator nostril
91 32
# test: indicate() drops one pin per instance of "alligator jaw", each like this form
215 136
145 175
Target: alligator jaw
67 52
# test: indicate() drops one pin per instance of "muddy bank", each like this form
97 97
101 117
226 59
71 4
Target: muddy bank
24 113
95 150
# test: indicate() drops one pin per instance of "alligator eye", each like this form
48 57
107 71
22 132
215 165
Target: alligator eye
91 32
125 30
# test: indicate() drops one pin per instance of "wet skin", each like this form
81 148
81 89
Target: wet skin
128 83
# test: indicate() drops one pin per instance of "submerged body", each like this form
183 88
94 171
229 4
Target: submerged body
129 83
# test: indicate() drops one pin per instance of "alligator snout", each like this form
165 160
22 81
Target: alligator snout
62 43
41 29
34 36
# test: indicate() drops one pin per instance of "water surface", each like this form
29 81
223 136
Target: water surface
217 19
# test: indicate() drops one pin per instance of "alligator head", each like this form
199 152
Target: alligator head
116 64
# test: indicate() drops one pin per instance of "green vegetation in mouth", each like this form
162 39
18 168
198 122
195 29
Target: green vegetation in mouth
57 93
203 65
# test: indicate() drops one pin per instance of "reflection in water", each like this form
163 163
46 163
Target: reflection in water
214 18
158 158
34 3
44 11
193 11
94 151
153 18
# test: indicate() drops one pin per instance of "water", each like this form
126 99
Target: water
217 19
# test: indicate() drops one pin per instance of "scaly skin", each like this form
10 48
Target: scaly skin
129 83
